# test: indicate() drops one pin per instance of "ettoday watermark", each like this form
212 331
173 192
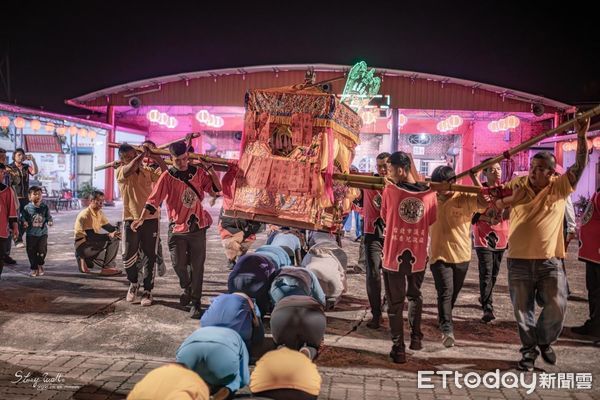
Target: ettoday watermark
506 380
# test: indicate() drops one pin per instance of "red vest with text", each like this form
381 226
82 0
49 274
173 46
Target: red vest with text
589 233
407 215
371 209
492 237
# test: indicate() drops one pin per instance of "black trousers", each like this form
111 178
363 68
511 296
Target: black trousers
139 252
398 287
100 254
37 248
298 326
7 244
373 251
489 267
3 252
449 279
188 253
592 283
22 203
284 394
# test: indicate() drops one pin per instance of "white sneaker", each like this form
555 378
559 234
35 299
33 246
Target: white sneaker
146 299
306 352
132 292
448 340
19 245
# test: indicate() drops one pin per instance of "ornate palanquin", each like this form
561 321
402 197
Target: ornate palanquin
294 139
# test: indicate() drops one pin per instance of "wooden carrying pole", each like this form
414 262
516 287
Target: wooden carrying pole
193 135
378 183
525 145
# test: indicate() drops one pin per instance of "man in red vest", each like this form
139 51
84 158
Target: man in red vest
589 252
373 234
408 209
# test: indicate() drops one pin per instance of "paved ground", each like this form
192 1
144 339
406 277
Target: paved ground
69 335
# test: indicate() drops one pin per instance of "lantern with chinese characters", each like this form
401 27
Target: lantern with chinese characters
35 124
49 127
19 122
4 122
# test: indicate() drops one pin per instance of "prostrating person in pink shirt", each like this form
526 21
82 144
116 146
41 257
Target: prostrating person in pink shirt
182 189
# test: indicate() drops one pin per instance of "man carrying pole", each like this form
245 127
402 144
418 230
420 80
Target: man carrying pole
535 247
135 183
182 187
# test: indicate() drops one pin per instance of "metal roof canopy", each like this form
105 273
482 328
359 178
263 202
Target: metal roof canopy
143 87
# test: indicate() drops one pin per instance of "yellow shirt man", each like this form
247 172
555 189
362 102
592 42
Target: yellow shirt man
536 222
135 190
285 369
450 233
88 219
170 382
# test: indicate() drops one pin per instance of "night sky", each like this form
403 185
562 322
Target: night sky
60 53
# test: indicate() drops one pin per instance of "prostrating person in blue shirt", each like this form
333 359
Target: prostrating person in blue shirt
296 281
290 241
219 356
277 254
236 311
251 275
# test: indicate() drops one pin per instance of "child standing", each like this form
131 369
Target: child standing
36 219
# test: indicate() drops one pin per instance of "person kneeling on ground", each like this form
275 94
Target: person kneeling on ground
299 322
323 262
219 356
92 247
285 374
277 254
252 275
290 281
173 381
290 241
236 311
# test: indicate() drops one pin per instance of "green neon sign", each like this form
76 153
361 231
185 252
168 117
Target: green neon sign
361 86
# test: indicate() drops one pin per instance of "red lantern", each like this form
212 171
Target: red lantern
49 127
4 122
73 130
19 122
61 130
82 132
35 124
92 134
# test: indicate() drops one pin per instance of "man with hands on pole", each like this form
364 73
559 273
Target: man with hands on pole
135 183
535 247
181 187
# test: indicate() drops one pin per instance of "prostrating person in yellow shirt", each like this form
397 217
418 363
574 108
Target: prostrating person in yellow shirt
285 374
92 246
170 382
140 247
450 251
535 249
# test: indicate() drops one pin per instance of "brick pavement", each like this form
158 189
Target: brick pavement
81 327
